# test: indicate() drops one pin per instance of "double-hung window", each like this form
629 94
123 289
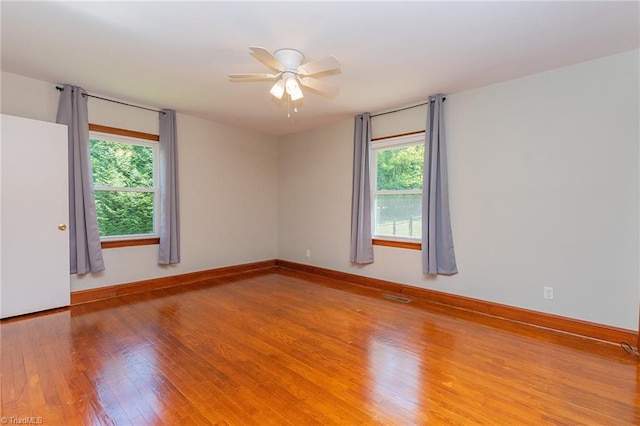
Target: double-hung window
125 177
396 180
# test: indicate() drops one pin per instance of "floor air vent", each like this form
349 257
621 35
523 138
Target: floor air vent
396 298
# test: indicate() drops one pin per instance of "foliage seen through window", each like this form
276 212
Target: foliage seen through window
123 175
397 192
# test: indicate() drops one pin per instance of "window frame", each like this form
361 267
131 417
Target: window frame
378 144
97 131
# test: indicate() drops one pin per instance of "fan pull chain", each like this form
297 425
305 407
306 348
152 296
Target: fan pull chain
295 107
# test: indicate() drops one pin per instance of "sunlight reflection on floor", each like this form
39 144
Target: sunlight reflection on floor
396 375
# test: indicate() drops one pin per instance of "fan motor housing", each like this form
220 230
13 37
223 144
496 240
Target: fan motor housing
290 58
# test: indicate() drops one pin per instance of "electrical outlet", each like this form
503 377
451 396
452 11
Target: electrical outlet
308 253
548 293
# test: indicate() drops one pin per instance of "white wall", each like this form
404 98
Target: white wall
228 187
544 189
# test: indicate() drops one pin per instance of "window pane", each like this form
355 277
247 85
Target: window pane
120 164
399 215
124 213
400 168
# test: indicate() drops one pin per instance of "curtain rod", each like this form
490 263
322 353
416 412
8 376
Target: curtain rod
402 109
116 102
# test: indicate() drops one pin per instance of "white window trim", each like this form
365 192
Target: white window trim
155 149
400 141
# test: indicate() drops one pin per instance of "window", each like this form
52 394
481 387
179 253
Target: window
125 178
396 179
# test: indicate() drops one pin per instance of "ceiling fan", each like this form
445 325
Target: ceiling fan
292 72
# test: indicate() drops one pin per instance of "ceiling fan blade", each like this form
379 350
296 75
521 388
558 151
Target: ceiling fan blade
321 65
264 56
320 86
247 77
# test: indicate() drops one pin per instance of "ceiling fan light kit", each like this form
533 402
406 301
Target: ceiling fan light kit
291 85
277 91
292 73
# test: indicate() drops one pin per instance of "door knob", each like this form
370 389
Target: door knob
62 227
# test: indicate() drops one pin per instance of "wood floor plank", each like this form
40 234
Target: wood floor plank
285 348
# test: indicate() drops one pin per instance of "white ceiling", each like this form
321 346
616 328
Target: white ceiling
178 54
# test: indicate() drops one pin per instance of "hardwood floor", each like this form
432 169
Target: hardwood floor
284 348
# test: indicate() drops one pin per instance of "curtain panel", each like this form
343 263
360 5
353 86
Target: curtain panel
438 256
84 236
169 250
361 243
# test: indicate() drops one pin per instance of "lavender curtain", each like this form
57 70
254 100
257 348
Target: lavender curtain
361 243
84 237
438 256
169 251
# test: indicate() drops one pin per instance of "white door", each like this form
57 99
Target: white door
34 250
